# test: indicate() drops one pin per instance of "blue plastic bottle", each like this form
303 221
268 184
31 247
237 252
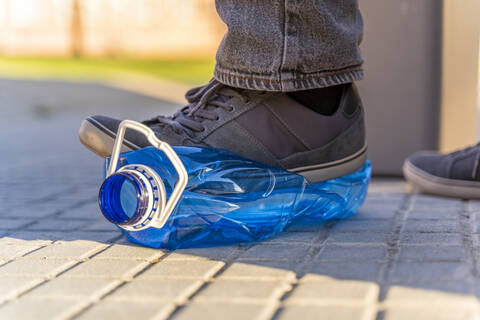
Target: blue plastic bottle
214 197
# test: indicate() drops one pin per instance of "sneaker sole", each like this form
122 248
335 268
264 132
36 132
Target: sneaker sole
99 139
431 184
334 169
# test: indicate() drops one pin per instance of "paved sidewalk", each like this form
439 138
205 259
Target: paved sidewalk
402 256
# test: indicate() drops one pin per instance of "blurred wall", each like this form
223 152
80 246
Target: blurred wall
140 28
421 85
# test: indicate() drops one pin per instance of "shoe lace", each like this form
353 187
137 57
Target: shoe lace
202 105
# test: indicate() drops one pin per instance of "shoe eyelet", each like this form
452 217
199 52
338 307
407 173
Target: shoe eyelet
203 129
231 109
217 118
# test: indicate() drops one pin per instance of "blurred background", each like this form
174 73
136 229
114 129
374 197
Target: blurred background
61 60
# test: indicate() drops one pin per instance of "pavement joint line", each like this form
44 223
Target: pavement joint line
467 218
214 276
15 295
118 284
45 280
315 251
274 308
52 196
393 245
21 227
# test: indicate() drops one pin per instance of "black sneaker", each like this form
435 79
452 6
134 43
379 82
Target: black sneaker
268 127
456 174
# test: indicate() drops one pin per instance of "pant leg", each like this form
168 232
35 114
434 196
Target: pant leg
289 45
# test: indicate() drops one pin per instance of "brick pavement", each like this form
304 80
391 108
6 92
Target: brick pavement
402 256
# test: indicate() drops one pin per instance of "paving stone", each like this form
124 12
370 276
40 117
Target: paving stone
45 237
391 199
293 237
261 270
10 251
57 225
387 186
432 253
219 311
338 312
214 253
24 267
431 226
341 270
425 313
455 286
195 269
88 237
375 212
65 251
90 211
18 239
476 225
107 269
130 252
119 310
34 211
66 288
443 239
276 252
430 294
433 214
364 225
27 309
334 291
99 225
437 271
10 287
350 253
440 203
230 290
17 223
358 237
156 290
306 225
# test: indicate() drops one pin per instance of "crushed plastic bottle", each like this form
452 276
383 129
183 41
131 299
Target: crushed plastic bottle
214 197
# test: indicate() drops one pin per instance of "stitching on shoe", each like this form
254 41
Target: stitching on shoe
258 144
230 116
287 127
329 144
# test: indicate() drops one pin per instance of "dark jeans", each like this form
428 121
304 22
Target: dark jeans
289 45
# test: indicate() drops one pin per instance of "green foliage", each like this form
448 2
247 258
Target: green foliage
192 72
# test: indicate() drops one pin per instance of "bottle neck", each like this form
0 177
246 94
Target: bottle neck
124 198
133 198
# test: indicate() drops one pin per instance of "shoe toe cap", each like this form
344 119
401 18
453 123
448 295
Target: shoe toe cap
427 161
98 134
107 123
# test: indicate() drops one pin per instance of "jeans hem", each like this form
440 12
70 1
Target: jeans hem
288 81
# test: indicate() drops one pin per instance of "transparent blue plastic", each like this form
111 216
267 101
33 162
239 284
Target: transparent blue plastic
230 199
